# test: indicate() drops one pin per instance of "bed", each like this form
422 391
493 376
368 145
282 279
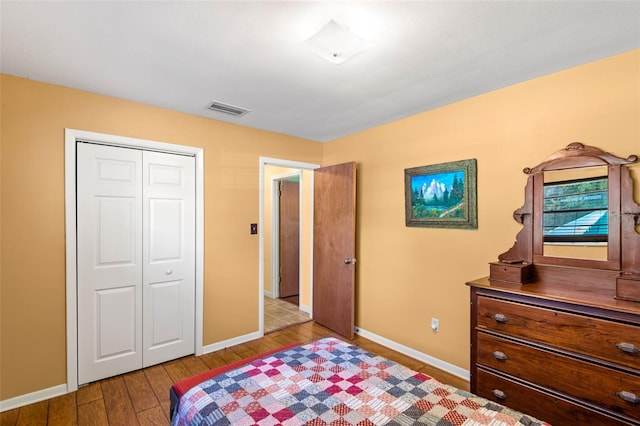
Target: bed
329 382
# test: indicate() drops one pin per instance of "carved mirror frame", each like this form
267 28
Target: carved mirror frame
623 246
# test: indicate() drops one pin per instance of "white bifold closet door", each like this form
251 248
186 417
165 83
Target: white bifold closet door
136 259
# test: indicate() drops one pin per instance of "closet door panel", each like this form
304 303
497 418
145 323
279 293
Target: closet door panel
165 324
166 233
169 258
116 318
109 259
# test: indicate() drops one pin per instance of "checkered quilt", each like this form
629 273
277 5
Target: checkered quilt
331 382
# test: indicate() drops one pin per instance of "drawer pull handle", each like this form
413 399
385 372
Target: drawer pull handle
500 318
628 348
499 394
500 356
629 397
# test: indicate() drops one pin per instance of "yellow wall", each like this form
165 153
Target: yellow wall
405 275
34 116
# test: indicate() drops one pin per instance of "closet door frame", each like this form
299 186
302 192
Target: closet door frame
71 138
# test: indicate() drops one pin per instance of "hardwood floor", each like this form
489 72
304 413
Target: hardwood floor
142 397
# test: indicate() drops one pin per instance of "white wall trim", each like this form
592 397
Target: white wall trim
420 356
231 342
268 161
33 397
275 243
71 136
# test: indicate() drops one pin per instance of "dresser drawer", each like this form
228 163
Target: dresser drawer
607 340
591 383
543 406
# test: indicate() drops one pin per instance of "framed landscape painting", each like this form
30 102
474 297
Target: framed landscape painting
441 195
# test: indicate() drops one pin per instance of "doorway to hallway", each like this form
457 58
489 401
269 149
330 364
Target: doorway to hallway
283 285
273 312
327 269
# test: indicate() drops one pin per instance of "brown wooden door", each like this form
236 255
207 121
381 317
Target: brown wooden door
289 238
334 247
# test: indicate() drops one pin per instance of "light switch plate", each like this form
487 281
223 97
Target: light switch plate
435 324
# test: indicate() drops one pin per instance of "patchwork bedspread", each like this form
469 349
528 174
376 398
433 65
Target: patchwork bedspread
331 382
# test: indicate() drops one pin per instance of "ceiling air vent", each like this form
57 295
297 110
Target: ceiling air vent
227 109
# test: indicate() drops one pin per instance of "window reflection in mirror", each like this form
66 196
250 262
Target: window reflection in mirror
575 216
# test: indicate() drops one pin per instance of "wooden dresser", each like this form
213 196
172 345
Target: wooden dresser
555 328
564 355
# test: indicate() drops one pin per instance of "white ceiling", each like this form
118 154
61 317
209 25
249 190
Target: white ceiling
181 55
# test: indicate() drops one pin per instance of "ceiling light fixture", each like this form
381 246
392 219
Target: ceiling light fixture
336 43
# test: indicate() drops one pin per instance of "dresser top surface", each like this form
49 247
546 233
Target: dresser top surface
603 298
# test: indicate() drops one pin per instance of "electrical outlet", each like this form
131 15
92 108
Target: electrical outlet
435 324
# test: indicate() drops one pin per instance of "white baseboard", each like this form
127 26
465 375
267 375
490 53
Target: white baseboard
230 342
268 294
427 359
304 308
33 397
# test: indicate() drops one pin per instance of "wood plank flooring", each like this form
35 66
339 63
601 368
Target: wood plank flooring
142 397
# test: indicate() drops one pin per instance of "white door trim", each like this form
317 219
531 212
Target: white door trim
71 136
267 161
275 229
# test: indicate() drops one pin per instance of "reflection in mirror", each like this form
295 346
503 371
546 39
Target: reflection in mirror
575 213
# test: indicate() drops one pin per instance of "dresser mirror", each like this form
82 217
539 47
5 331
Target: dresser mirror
575 213
579 212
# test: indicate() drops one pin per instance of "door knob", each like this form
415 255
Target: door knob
350 260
